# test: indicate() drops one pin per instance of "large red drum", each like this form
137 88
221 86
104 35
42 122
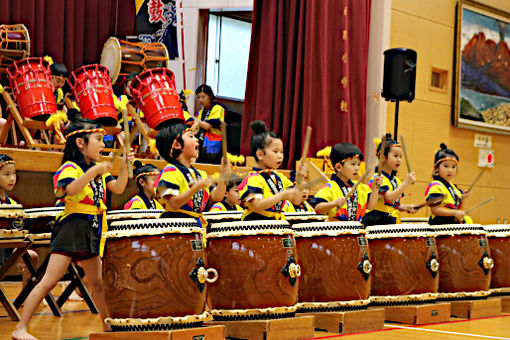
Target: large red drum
405 259
466 264
157 96
14 45
257 268
499 243
335 266
41 220
11 216
92 88
155 274
31 84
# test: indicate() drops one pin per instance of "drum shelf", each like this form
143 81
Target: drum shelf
209 332
418 314
350 321
471 309
505 303
299 327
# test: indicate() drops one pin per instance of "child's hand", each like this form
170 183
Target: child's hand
225 168
102 168
466 194
294 195
302 170
410 178
459 214
204 183
409 208
341 201
376 183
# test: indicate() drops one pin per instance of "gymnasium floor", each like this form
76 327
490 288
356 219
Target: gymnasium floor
78 323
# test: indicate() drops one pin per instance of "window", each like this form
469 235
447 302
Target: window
228 47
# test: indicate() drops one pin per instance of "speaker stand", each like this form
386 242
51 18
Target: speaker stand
395 131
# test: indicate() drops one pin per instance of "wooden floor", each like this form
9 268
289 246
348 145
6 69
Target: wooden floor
78 323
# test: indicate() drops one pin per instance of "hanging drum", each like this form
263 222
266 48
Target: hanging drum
123 57
156 95
14 45
31 84
155 274
464 253
92 89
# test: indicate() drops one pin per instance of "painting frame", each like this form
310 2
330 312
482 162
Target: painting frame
481 98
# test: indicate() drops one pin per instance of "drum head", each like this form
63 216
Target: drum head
111 57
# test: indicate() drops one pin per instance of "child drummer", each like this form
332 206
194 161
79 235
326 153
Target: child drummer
331 198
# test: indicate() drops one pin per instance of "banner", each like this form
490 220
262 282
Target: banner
156 20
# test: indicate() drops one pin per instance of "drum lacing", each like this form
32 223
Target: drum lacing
156 327
400 231
459 228
152 225
137 212
318 227
248 227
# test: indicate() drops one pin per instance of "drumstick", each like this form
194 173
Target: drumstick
477 178
127 139
402 141
431 202
138 122
365 175
299 176
68 102
121 150
479 205
224 140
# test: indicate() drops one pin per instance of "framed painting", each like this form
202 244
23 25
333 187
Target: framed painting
482 86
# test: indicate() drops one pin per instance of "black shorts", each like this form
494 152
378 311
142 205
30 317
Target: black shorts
74 236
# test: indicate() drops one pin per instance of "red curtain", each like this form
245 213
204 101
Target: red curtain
71 31
307 66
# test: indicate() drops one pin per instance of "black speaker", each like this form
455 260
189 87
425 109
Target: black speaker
399 74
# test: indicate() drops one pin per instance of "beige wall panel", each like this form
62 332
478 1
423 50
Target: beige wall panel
435 43
404 30
408 6
440 11
503 5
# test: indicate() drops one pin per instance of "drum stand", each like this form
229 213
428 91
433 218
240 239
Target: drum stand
471 309
349 321
24 124
209 333
418 314
299 327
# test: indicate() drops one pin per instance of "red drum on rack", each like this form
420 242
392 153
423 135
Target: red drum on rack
155 274
405 259
335 266
499 243
92 88
303 217
133 214
123 57
156 95
31 84
14 45
41 220
11 216
257 268
465 261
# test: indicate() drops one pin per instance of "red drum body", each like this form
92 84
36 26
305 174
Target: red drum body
123 57
31 84
257 268
335 266
154 274
464 255
157 96
405 259
11 216
92 88
41 220
14 45
499 243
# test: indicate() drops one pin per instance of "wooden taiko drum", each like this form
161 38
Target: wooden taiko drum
11 216
41 220
258 270
14 45
222 217
155 274
335 266
405 260
466 264
499 244
123 57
